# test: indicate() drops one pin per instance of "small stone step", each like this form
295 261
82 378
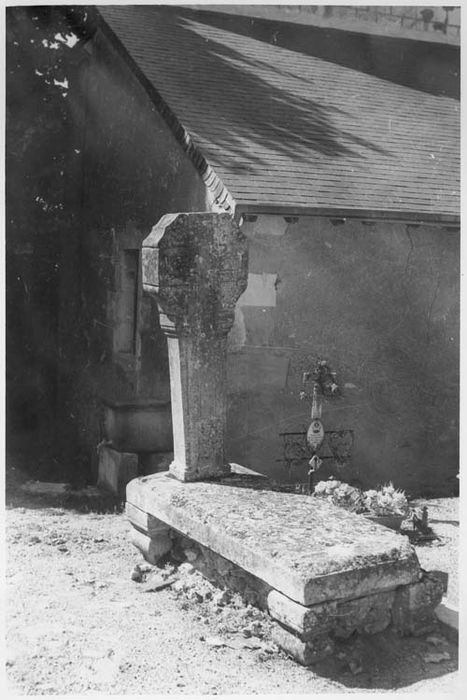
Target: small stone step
116 468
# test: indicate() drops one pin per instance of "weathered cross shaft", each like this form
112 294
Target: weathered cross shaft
197 267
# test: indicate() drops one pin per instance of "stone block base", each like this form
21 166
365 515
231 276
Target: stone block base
305 652
152 548
316 588
148 534
367 615
222 572
116 469
307 633
414 606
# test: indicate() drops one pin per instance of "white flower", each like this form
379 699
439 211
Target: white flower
386 501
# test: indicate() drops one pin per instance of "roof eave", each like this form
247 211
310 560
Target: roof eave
410 217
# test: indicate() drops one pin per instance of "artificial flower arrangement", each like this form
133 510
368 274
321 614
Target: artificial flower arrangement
341 494
385 501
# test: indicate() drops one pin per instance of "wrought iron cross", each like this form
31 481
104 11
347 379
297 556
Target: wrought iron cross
301 446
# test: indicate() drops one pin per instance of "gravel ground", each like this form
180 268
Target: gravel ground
443 555
78 624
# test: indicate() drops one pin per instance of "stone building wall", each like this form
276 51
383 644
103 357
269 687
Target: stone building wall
132 172
380 302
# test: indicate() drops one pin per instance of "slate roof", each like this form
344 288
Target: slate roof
286 131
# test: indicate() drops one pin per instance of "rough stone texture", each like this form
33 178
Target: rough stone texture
308 549
148 524
148 534
116 469
152 548
414 605
196 266
222 572
368 614
398 592
305 652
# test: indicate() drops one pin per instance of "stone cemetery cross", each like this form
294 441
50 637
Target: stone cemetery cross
197 267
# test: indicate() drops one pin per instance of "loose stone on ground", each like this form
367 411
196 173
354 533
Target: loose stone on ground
322 573
159 640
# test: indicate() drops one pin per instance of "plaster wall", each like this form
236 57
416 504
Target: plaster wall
379 302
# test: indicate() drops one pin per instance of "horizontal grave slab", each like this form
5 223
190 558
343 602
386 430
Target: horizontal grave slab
305 548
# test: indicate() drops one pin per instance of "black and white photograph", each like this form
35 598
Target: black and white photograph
232 278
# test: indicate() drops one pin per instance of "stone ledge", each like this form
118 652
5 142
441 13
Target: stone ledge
448 614
305 652
145 522
151 548
116 468
369 615
305 548
414 605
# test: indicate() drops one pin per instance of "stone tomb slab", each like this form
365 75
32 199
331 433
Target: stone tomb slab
305 548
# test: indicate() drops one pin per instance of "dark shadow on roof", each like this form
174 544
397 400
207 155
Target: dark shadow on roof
242 102
281 125
431 67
